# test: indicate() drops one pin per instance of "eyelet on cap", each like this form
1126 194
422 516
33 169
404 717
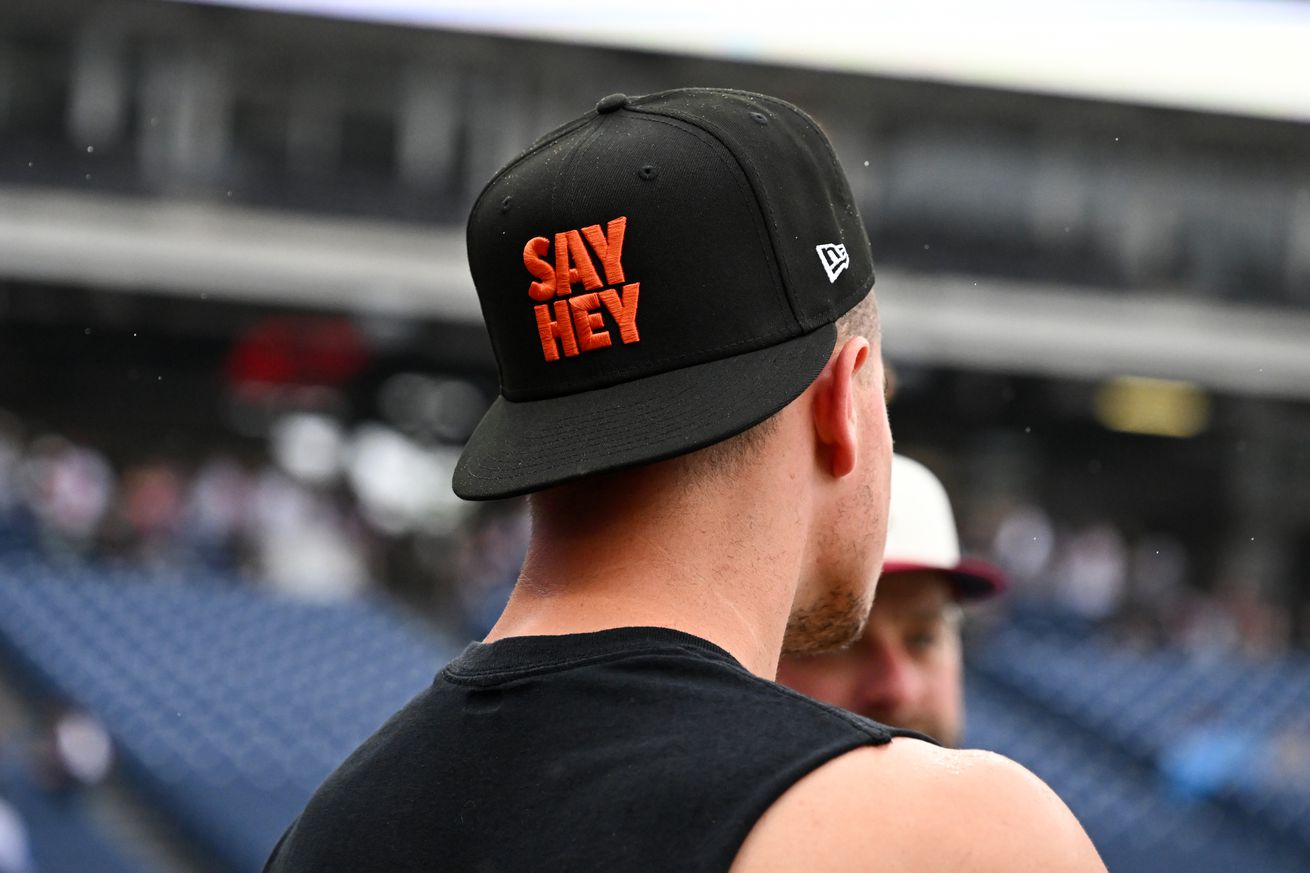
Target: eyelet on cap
759 118
611 103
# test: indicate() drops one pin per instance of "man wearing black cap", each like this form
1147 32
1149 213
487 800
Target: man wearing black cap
677 292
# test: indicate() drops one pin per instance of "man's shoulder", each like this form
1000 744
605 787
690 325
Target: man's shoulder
914 806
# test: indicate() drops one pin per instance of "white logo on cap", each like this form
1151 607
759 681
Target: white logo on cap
834 259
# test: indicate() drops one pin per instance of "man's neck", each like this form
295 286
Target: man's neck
721 564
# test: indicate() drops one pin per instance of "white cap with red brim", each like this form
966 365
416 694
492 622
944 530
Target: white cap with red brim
921 534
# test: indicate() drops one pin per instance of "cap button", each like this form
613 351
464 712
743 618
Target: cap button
611 103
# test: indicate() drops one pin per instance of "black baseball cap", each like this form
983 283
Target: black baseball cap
656 276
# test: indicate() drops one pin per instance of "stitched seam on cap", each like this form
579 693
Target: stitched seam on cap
814 126
841 305
846 303
556 135
762 198
570 159
552 137
664 116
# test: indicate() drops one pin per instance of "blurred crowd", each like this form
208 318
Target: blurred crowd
68 500
319 514
325 514
1143 588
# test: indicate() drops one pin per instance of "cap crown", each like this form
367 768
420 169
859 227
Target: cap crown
661 232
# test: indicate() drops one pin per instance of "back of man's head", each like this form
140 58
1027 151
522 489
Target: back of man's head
677 290
658 276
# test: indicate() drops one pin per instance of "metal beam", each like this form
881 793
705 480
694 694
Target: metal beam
1088 333
373 267
253 255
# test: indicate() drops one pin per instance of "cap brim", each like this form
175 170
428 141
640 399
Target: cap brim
520 447
971 578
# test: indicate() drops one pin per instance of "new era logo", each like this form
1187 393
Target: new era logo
834 259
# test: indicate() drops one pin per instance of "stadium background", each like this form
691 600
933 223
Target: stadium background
239 351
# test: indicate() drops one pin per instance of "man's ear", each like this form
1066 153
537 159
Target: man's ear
835 419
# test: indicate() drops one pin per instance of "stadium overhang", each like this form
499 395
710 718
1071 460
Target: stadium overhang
379 268
1241 57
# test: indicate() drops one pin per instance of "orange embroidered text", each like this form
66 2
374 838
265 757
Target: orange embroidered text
575 325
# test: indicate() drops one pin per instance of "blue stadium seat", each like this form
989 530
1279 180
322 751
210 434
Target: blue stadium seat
1203 724
1135 824
228 704
63 834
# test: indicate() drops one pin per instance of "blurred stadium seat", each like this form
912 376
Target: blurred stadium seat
228 706
1135 824
1201 729
62 832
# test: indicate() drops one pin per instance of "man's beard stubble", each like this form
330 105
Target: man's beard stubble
832 624
838 619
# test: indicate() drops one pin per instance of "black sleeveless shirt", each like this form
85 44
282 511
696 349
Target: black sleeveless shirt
622 750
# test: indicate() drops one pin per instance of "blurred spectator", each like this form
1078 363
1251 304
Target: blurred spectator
304 545
69 488
1287 761
15 847
72 751
215 506
1092 571
1024 543
1263 631
11 455
1156 590
489 561
151 505
1207 629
